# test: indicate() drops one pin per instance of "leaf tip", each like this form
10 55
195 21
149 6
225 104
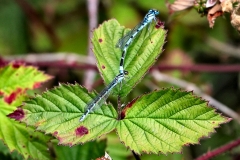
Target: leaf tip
17 114
37 85
81 131
227 119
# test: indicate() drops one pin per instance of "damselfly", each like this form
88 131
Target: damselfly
125 41
103 95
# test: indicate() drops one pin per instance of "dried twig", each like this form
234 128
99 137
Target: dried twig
224 48
93 18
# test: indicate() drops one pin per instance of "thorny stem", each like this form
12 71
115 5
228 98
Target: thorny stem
219 150
193 68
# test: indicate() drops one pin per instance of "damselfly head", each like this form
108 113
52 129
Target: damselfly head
153 11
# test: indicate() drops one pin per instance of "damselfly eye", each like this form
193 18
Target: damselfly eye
156 12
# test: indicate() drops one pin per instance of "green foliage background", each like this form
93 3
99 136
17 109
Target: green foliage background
187 43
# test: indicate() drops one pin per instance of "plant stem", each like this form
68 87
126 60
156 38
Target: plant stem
59 61
137 157
119 107
219 150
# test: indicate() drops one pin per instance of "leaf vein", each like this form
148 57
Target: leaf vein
152 134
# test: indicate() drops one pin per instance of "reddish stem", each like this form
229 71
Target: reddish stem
193 68
219 150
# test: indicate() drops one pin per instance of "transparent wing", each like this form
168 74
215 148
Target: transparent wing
104 94
99 100
95 103
121 42
102 100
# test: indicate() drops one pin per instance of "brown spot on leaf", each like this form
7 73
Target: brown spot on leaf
100 40
36 85
9 99
160 24
17 64
55 133
81 131
39 123
103 67
123 113
17 114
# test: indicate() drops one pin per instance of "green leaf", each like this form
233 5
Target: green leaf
141 54
16 78
165 120
18 137
91 150
7 155
57 111
16 75
116 149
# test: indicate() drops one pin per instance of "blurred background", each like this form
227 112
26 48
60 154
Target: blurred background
54 35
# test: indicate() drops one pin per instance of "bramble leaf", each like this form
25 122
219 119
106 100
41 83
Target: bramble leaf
6 154
57 111
141 54
90 150
163 121
18 137
16 78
